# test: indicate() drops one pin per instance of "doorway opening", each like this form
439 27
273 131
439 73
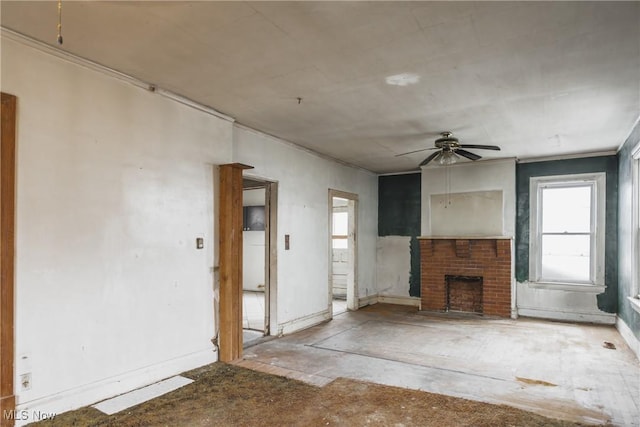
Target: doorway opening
258 260
343 252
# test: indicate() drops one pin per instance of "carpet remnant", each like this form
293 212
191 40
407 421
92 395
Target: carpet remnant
227 395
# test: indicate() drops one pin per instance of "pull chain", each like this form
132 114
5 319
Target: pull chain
60 22
447 180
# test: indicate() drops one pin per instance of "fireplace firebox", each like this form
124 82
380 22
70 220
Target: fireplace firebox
464 293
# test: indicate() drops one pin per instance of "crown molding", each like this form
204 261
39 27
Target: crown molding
110 72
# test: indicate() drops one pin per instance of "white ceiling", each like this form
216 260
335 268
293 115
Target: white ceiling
536 78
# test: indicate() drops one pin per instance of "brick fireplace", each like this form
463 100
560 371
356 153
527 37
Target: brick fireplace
466 274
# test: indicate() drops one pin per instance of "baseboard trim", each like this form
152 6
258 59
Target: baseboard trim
628 336
603 318
389 299
303 322
368 300
100 390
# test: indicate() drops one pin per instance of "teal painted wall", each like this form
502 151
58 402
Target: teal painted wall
399 215
625 240
607 301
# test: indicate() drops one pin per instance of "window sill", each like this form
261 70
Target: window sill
635 303
577 287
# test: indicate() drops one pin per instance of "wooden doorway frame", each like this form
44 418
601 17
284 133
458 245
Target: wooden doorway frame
7 257
271 249
352 284
271 254
230 241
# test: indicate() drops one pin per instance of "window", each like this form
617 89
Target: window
636 222
566 242
340 235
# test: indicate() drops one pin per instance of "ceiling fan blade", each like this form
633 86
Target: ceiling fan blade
416 151
481 147
431 157
469 155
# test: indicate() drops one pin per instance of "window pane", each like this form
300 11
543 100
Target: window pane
340 243
566 258
340 223
566 210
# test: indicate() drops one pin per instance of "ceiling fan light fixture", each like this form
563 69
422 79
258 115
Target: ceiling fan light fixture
447 157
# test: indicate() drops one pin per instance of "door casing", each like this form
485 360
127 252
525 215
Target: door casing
7 257
352 282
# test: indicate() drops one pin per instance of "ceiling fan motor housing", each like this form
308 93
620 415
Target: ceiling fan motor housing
447 141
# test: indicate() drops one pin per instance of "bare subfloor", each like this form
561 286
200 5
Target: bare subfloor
226 395
578 372
392 365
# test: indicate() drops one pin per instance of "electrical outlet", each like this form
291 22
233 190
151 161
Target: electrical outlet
25 380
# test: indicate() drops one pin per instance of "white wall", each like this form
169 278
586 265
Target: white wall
114 184
393 266
466 178
304 180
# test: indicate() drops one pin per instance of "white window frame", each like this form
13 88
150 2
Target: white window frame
340 209
635 250
597 181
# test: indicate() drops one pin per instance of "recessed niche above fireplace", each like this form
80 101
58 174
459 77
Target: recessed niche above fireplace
450 214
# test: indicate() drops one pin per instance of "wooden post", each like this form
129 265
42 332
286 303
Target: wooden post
230 232
7 248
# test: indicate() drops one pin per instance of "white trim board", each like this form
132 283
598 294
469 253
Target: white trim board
303 322
399 300
100 390
368 300
603 318
568 156
291 144
628 336
83 62
141 395
624 141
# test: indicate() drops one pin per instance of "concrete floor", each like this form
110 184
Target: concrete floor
559 370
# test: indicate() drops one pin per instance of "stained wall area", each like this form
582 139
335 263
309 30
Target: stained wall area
398 265
304 179
562 303
114 185
627 266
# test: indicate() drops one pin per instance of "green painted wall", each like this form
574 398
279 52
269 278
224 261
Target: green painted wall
399 215
625 229
607 301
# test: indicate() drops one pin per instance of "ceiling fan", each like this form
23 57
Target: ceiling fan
449 150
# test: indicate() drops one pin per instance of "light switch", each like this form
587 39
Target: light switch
199 243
